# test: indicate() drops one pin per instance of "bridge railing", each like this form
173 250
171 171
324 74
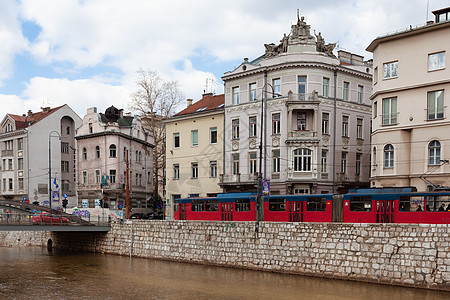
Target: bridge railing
12 218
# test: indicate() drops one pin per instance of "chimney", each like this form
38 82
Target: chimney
189 102
45 109
30 113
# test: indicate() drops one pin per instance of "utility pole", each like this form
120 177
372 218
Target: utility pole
127 189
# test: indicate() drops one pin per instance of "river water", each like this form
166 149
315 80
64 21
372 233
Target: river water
35 273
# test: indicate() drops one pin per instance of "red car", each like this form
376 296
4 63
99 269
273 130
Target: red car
46 218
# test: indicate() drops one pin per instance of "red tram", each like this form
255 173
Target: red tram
385 205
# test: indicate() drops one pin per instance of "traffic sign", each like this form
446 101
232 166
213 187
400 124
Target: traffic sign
65 195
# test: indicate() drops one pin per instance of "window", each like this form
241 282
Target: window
235 95
316 204
11 186
125 154
197 205
437 203
325 123
375 75
358 163
235 166
211 205
176 140
390 111
301 80
388 156
90 128
20 184
302 160
242 204
138 179
65 185
345 91
390 70
235 129
84 175
375 109
213 135
252 89
435 105
112 151
98 177
138 156
345 126
276 161
64 147
359 128
97 152
4 184
361 203
9 145
176 171
277 204
360 94
276 124
252 163
194 167
436 61
434 150
20 144
374 162
276 83
64 166
112 176
252 126
20 164
194 138
324 161
213 169
325 86
84 154
68 130
10 164
344 162
301 121
411 203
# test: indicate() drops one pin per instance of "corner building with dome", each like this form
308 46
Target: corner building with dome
308 105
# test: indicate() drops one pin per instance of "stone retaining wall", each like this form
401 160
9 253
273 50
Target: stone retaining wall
397 254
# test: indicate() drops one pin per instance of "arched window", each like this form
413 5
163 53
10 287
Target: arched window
84 153
388 156
302 159
112 151
97 152
434 153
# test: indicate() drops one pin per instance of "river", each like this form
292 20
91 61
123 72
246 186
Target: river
35 273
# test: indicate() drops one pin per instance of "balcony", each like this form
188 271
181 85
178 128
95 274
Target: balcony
302 136
238 179
344 177
306 97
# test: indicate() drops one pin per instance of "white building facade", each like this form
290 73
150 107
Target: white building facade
315 134
25 141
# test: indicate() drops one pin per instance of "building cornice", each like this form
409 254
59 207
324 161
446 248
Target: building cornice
13 134
410 87
108 133
195 115
298 64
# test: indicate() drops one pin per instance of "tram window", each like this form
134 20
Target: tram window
361 203
242 204
277 204
438 203
212 205
197 205
175 207
316 204
411 203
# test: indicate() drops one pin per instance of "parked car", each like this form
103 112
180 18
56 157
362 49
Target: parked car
47 218
138 216
154 216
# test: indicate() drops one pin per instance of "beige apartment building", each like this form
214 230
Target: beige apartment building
410 102
194 150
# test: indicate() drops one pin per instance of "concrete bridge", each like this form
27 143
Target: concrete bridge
19 216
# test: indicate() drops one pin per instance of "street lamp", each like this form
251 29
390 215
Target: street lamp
260 202
50 164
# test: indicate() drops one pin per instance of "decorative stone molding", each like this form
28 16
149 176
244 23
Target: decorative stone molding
325 141
275 141
359 144
252 143
345 142
235 145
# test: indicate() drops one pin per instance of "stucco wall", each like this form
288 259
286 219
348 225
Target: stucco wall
398 254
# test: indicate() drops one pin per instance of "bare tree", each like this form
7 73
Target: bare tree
156 99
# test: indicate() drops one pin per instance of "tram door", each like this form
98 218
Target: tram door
385 211
227 211
182 210
295 211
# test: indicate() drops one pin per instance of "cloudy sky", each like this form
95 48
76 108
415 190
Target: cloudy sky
86 53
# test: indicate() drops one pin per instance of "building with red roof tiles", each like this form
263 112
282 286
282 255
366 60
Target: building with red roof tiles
25 156
194 150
